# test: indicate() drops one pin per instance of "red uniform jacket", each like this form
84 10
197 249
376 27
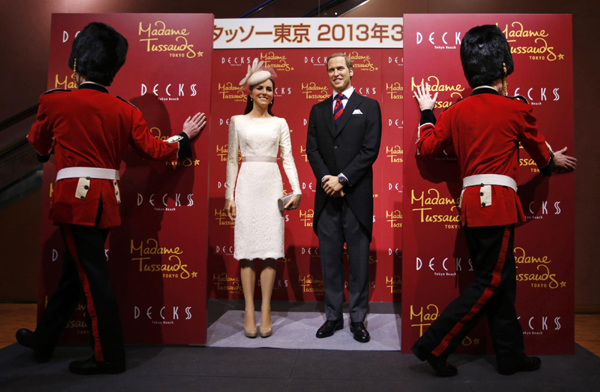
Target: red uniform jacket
90 128
485 130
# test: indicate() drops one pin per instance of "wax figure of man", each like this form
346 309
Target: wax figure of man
485 130
88 131
344 133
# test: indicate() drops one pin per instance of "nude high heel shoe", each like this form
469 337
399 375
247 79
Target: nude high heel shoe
249 333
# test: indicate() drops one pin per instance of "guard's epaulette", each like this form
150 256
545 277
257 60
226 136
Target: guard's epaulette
124 100
54 90
522 98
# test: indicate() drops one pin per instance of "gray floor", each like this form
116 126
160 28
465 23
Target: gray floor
306 370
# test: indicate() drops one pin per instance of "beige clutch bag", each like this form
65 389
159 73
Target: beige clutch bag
282 201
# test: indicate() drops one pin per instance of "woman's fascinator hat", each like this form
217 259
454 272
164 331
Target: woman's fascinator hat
257 73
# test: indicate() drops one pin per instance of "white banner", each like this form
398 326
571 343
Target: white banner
308 33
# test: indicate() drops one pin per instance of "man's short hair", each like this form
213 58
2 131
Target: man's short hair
346 58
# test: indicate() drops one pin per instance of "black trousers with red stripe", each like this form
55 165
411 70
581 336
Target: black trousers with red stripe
492 293
84 274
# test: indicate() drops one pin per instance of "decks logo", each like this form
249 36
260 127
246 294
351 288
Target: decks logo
537 96
158 37
536 325
169 91
310 186
440 40
397 122
316 60
312 251
167 202
538 210
224 250
236 61
397 187
396 60
444 266
162 315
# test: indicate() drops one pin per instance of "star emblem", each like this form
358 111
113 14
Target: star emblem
475 341
194 274
200 54
563 284
561 56
197 162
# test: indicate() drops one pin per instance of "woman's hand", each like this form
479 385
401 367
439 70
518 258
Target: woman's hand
230 208
294 202
424 98
193 125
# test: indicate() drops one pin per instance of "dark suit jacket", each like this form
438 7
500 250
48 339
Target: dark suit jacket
351 148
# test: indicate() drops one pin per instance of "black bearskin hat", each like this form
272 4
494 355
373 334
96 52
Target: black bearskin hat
483 53
98 52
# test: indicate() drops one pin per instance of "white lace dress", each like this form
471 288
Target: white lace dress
259 225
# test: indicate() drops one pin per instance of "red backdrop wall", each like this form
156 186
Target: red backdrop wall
157 257
436 262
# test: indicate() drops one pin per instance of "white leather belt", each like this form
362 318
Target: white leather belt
259 159
85 174
485 181
92 172
489 179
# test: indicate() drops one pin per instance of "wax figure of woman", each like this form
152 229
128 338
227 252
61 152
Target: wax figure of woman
87 130
486 130
259 224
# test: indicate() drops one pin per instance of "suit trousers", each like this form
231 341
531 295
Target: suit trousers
84 274
492 293
336 225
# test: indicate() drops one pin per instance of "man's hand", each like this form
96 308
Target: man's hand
564 163
230 208
193 125
332 186
424 98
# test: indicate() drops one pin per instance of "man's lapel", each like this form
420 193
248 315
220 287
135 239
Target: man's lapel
353 103
327 111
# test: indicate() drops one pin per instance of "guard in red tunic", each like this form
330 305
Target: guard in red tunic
485 131
88 131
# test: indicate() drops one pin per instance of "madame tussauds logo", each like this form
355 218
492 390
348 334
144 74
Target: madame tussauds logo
171 268
423 204
362 62
233 92
224 282
394 283
532 43
160 38
222 219
435 85
536 271
311 285
394 218
422 317
277 62
66 83
395 90
307 217
312 90
394 153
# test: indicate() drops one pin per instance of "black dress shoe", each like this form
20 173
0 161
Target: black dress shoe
441 367
527 364
41 353
360 332
90 366
329 327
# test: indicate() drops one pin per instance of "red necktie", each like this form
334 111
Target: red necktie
339 108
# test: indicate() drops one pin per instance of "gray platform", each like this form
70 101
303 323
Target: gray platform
303 370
